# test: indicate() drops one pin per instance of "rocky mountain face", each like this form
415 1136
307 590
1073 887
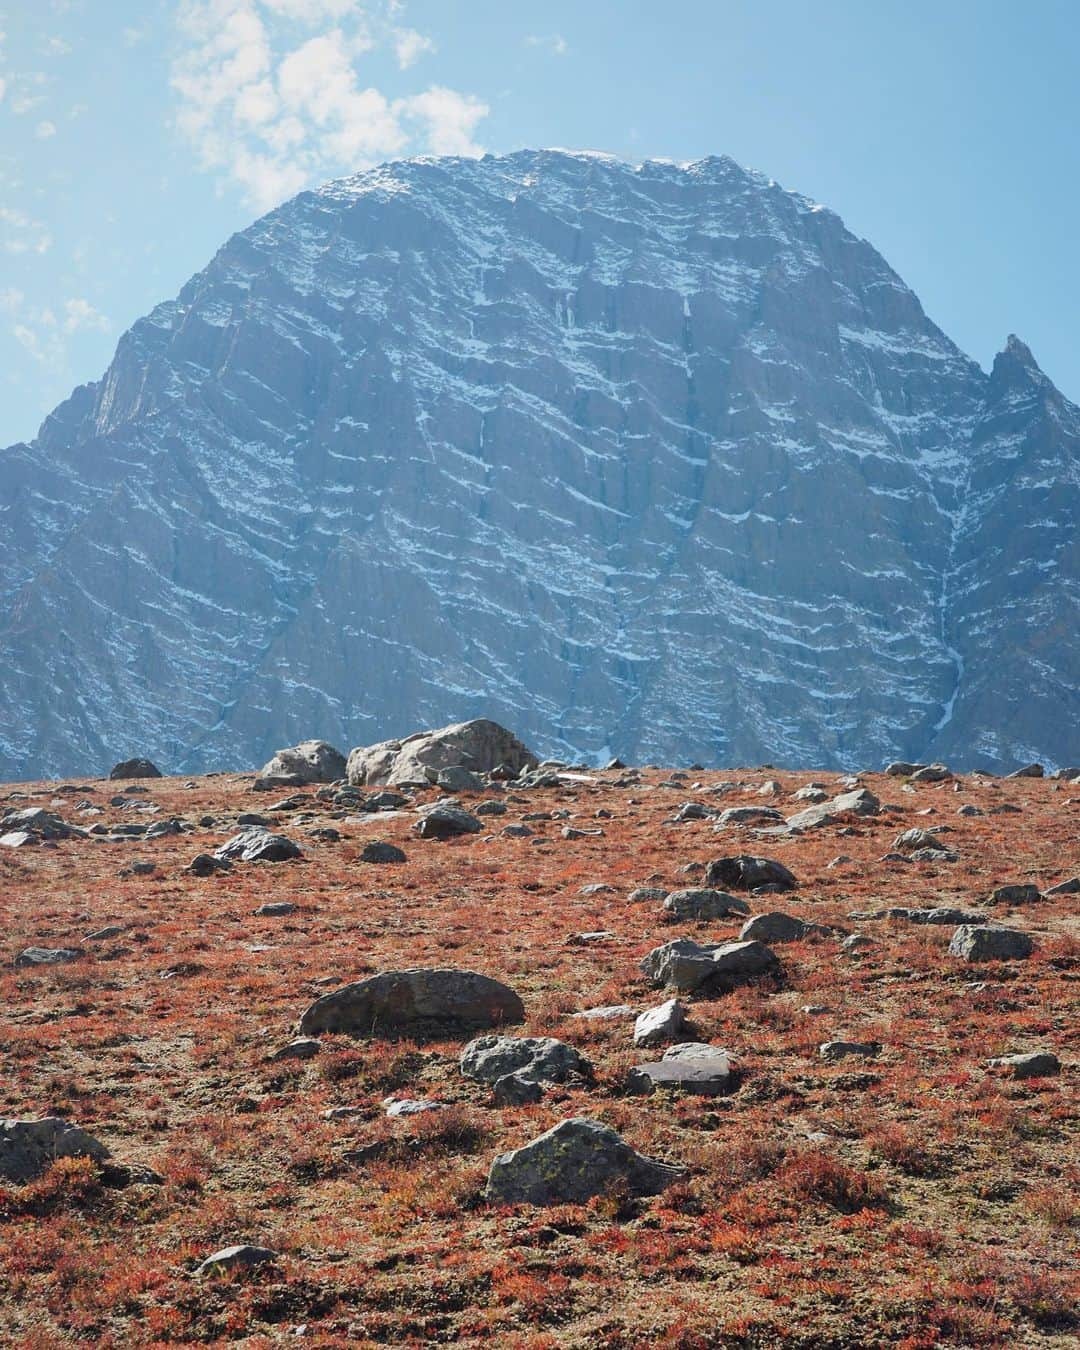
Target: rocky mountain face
658 461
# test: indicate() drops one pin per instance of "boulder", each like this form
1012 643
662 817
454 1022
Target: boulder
774 927
479 746
982 942
702 1075
538 1058
572 1162
843 1049
1037 1064
690 967
1019 893
134 768
1070 887
656 1025
703 905
446 821
240 1257
414 1001
377 851
515 1089
257 845
308 762
931 773
1028 771
642 894
746 873
749 815
900 768
47 956
917 838
40 824
29 1147
457 778
860 802
206 864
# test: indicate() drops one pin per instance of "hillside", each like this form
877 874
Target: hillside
907 1195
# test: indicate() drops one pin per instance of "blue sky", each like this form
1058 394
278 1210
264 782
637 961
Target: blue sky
136 135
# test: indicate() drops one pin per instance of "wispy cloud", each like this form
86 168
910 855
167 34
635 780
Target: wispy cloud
44 131
553 42
43 333
271 96
20 233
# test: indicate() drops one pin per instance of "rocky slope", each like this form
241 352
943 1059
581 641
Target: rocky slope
656 461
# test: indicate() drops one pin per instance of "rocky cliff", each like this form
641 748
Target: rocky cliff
658 461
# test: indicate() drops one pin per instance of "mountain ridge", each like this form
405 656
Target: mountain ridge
659 461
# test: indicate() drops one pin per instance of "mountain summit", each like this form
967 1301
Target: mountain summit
657 460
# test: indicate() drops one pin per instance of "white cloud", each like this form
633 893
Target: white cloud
21 234
271 107
79 313
449 118
555 43
3 88
409 45
45 130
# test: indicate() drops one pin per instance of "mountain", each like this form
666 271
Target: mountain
657 460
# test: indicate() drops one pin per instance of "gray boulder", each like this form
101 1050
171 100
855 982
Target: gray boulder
749 815
572 1162
457 778
417 1001
134 768
690 967
40 824
703 905
257 845
1070 887
844 1049
1028 771
479 745
308 762
446 821
642 894
746 873
774 927
377 851
656 1025
1037 1064
1019 893
981 942
703 1075
240 1257
29 1147
917 838
931 773
47 956
538 1058
515 1089
900 768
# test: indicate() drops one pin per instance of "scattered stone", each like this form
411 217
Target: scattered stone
258 845
408 1106
970 809
343 1113
597 888
704 1075
769 788
572 1162
41 824
814 1009
571 832
206 864
1028 771
746 873
613 1012
646 894
810 793
491 808
856 942
900 768
539 1058
690 967
917 838
445 821
747 815
841 860
982 942
584 939
1070 887
416 1001
774 927
515 1089
104 934
456 778
657 1025
703 905
304 1047
48 956
931 773
843 1049
134 768
516 831
1017 894
934 855
481 746
693 811
274 909
18 839
379 852
1005 809
29 1147
1037 1064
241 1257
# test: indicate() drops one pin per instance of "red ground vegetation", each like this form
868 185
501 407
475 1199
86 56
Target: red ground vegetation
918 1199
